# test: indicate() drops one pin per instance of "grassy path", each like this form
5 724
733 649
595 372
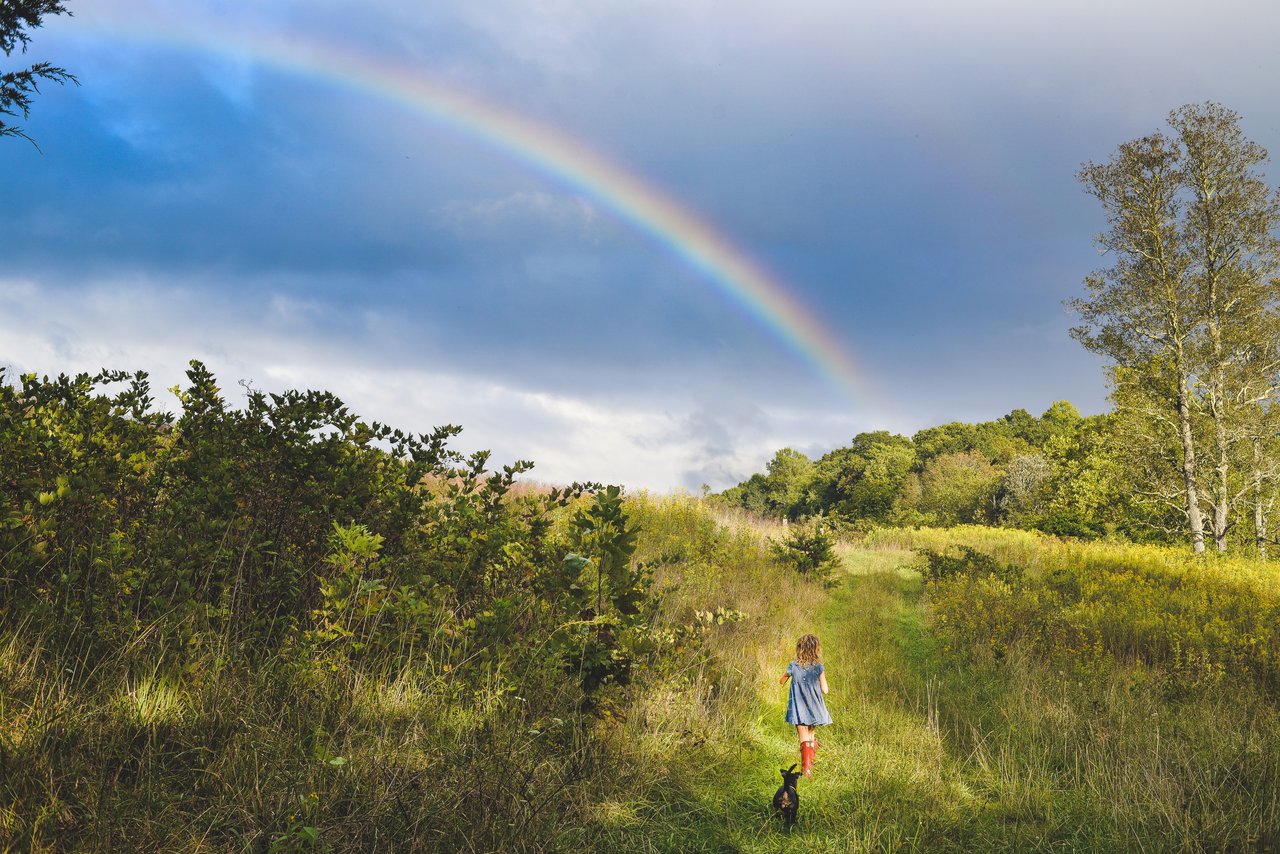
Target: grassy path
887 778
928 754
883 779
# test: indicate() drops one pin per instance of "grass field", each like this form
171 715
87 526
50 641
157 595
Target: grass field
937 749
946 737
884 779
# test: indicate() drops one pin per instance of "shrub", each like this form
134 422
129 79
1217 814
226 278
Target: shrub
808 549
970 563
280 627
1068 524
1075 604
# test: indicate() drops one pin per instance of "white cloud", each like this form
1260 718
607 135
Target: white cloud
274 342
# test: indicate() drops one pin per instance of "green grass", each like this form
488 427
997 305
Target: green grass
933 749
883 779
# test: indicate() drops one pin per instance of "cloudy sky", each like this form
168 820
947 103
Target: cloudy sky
396 201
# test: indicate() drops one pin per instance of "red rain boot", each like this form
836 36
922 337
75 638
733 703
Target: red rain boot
806 758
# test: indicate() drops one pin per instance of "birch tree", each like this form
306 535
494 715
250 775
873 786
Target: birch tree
1228 231
1187 314
1140 313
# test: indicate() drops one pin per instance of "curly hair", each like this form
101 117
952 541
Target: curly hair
808 650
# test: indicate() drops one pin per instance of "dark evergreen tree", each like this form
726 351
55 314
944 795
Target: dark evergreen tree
17 19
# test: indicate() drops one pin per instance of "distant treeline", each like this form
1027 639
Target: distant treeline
1061 473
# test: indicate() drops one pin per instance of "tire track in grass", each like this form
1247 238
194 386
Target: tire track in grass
883 780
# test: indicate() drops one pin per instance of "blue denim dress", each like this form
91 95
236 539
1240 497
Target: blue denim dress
806 705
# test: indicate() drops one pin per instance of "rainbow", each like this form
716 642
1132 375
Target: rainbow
554 154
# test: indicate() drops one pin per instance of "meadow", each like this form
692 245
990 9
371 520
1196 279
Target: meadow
261 630
948 739
959 726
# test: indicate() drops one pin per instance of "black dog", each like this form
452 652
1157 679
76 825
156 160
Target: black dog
786 801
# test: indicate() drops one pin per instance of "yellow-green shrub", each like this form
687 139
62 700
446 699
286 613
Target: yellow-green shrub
1075 603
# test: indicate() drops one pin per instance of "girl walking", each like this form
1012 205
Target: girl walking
806 707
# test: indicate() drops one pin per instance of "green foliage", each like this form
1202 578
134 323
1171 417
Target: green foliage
958 488
1082 606
969 564
367 606
1018 470
17 18
292 525
809 549
611 600
1063 523
863 480
783 491
216 520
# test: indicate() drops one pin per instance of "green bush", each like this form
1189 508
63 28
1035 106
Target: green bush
1066 524
1198 621
970 563
278 627
808 549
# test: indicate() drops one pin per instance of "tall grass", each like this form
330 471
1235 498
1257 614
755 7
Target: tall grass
280 757
943 740
1199 619
1114 697
189 749
684 746
1038 551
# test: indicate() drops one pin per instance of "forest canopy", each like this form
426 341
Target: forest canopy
1059 472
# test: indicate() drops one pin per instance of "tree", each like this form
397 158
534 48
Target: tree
17 18
1150 454
781 492
863 480
1139 313
1025 426
1187 313
1024 492
960 488
810 550
998 441
1230 218
789 474
953 438
1060 418
751 494
1264 473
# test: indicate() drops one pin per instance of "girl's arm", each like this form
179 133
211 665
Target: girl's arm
822 680
783 679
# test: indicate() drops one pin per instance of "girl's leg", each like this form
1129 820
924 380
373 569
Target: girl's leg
806 747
